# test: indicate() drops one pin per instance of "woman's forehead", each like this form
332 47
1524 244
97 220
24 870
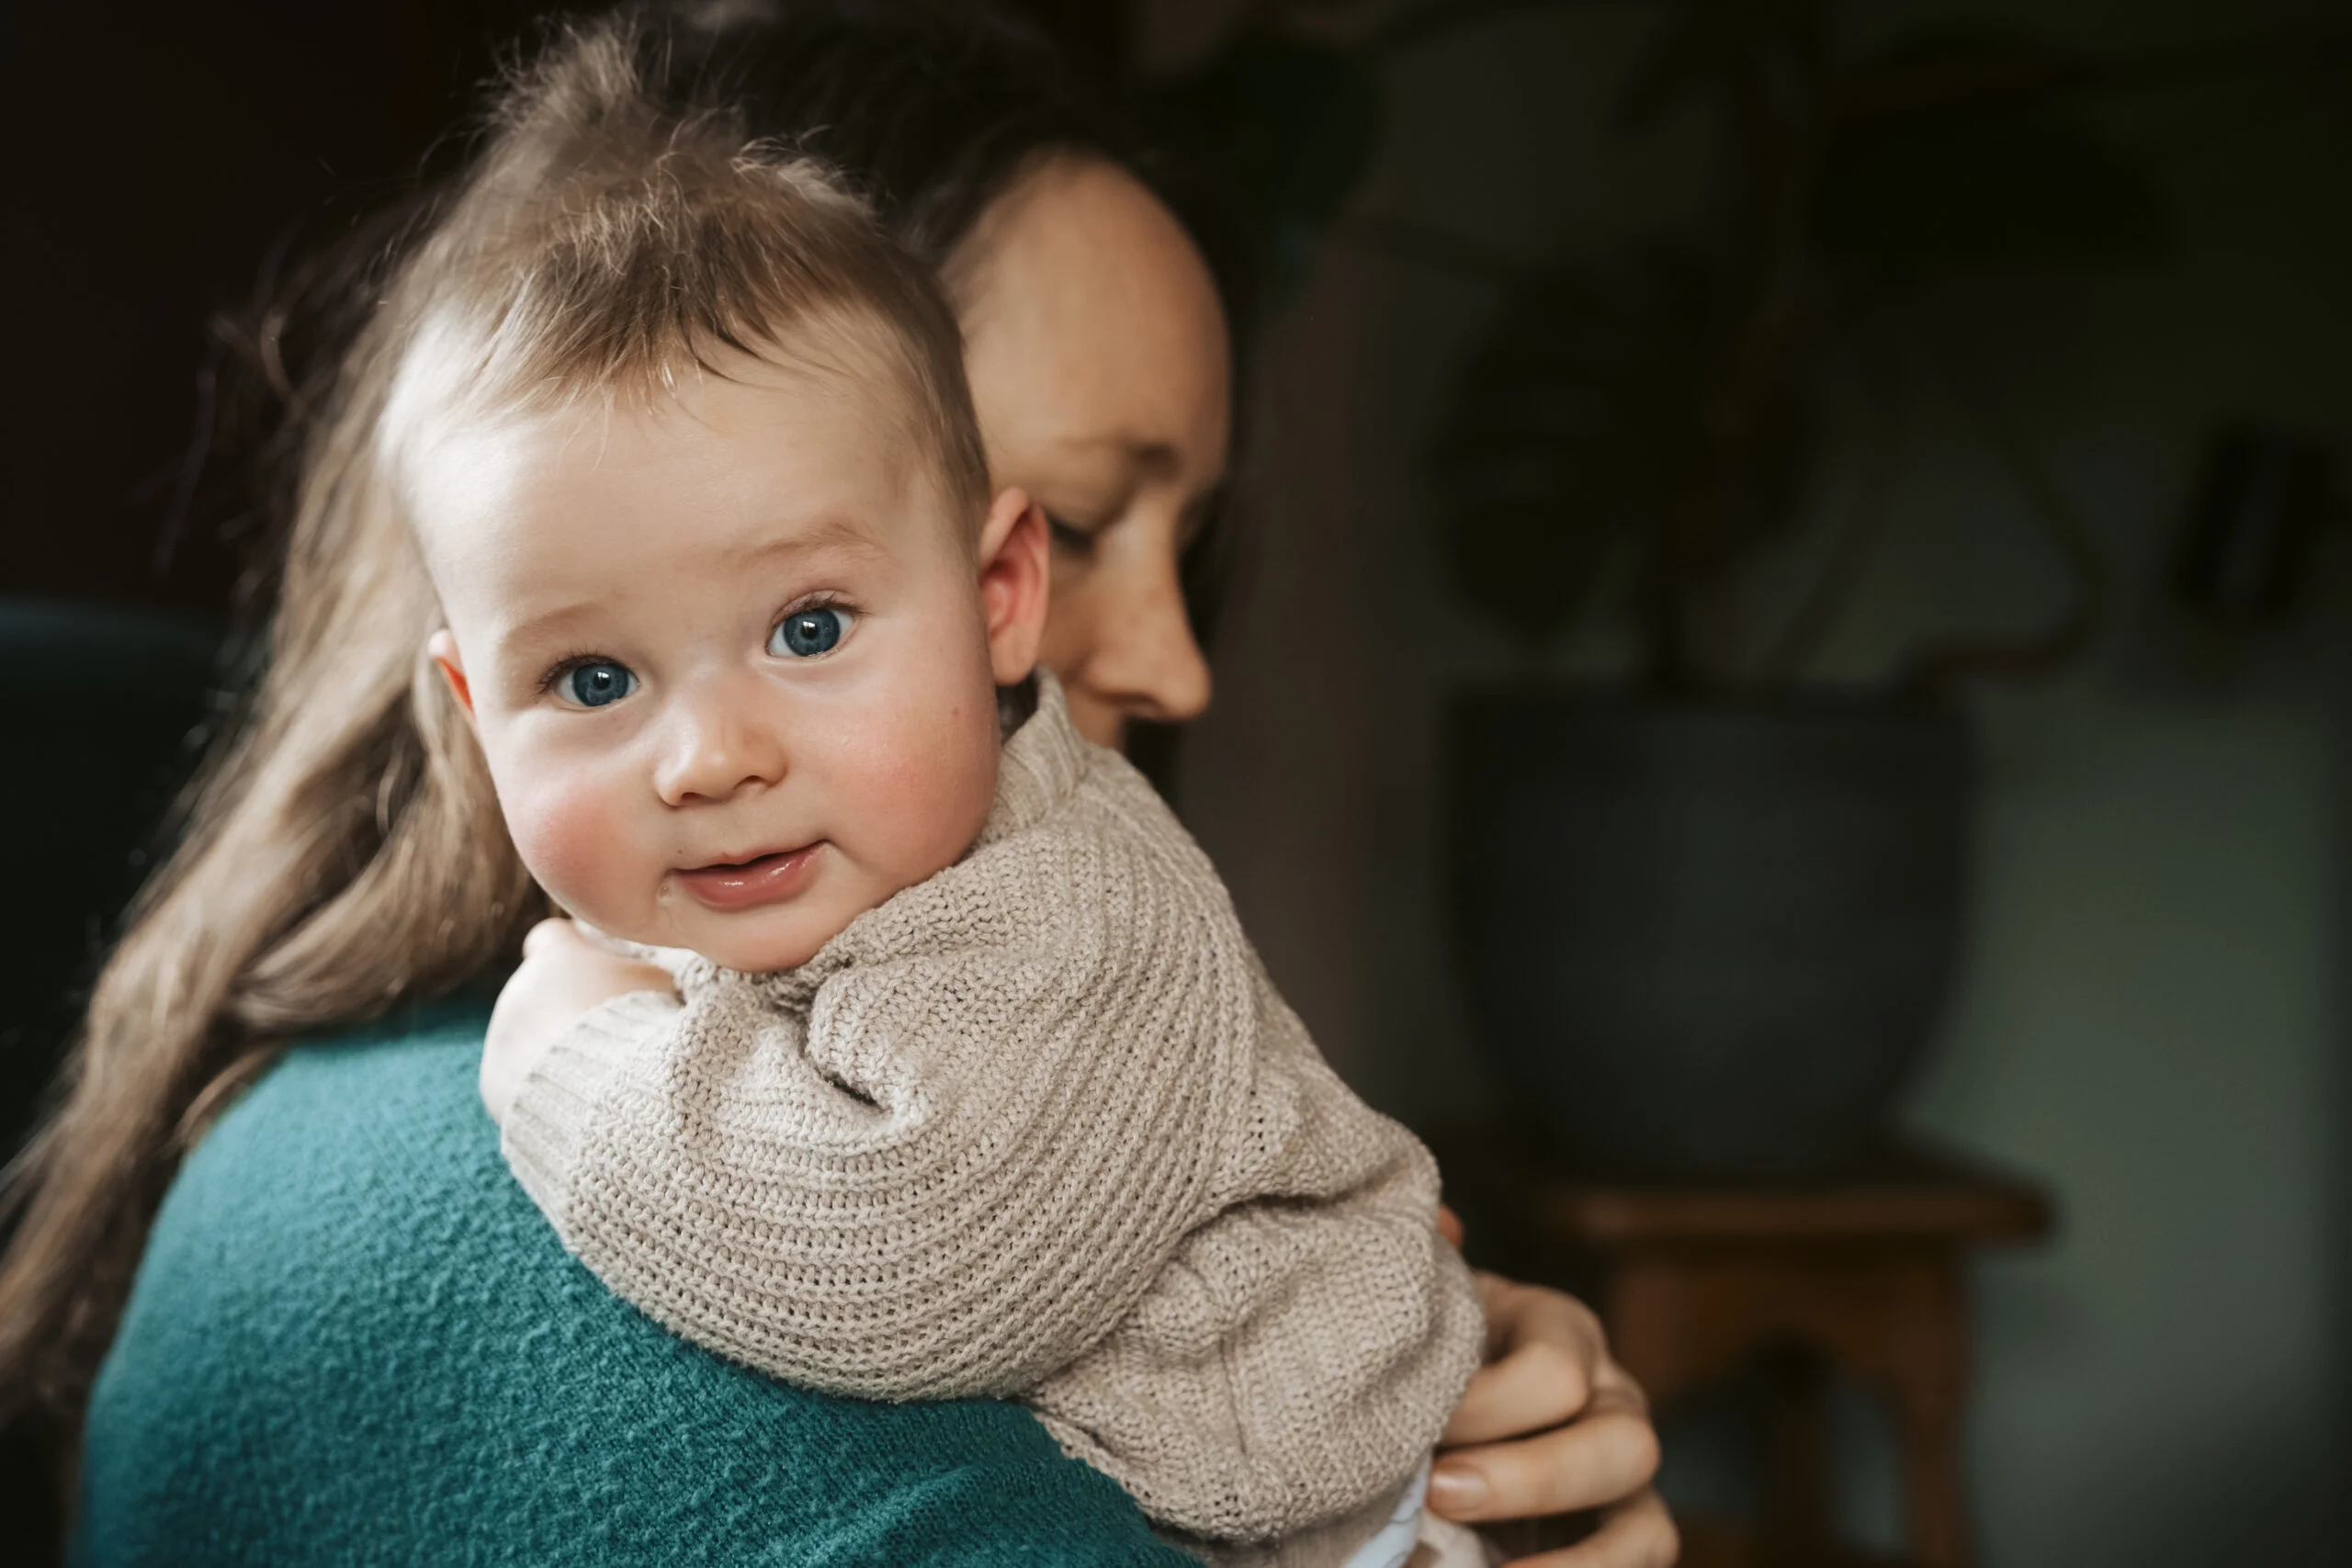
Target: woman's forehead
1090 318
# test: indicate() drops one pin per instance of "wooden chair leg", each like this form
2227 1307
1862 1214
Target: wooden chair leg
1937 1508
1799 1524
1929 1388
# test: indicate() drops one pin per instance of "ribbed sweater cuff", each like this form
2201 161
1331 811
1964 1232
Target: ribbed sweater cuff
548 1120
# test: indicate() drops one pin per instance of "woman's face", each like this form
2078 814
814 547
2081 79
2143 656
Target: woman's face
1097 351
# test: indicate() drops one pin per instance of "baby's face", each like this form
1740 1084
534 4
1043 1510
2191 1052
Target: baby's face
727 659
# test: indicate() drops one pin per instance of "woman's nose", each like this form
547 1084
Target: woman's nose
1146 661
717 748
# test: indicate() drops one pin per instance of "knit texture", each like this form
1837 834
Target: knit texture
354 1341
1038 1127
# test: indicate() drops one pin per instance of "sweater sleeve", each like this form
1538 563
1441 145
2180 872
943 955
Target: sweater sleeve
944 1159
1305 1349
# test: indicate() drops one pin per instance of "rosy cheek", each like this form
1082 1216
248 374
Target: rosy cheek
924 783
574 837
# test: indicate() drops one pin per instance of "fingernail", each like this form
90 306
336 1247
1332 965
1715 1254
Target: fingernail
1456 1487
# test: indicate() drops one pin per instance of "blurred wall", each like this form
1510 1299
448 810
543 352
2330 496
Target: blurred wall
2148 1017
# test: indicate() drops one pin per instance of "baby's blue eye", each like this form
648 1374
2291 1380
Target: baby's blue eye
595 685
804 634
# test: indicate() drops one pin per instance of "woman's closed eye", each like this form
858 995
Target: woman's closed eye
591 682
811 633
1078 538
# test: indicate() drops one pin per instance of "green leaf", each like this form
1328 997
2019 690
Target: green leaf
1589 422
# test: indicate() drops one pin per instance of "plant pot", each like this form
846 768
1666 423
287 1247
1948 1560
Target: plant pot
1705 940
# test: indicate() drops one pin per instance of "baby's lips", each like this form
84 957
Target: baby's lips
745 885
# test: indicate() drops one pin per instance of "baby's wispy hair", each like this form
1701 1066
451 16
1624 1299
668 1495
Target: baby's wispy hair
606 249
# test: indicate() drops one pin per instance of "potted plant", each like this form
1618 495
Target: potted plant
1706 914
1706 911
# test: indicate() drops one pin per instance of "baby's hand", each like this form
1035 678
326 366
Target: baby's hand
562 975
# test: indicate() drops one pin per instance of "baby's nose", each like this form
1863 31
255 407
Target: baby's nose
714 754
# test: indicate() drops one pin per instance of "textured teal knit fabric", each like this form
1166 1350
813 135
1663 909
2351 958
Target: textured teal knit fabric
353 1340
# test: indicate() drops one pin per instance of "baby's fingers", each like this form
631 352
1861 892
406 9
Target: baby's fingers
547 934
562 965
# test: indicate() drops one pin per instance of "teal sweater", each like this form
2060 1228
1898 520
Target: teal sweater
353 1340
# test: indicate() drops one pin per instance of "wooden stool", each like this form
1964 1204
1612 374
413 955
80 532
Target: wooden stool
1861 1274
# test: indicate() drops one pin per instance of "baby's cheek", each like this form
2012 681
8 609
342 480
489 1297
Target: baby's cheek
925 782
575 841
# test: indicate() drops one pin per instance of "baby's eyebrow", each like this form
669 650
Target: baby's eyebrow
831 538
832 535
547 626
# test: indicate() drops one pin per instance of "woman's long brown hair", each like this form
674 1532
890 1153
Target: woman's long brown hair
342 853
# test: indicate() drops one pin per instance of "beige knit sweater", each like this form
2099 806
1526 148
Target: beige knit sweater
1037 1127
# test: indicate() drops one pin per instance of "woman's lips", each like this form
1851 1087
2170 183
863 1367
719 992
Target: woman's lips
765 879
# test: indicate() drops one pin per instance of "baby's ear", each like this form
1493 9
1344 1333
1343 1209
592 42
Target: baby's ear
443 648
1016 577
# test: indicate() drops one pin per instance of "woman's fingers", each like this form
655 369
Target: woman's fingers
1552 1426
1636 1534
1546 1353
1607 1455
1538 1384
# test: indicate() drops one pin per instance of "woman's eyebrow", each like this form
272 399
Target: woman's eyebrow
1155 457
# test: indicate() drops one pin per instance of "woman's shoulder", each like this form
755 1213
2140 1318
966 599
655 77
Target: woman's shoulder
353 1339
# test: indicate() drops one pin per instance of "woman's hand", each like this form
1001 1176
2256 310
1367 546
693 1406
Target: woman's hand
561 976
1550 1424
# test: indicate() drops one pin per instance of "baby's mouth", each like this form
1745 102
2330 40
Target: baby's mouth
744 884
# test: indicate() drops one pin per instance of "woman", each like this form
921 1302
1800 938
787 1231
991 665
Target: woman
261 1340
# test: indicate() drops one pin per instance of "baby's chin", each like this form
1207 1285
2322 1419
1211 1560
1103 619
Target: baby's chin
754 941
756 956
744 943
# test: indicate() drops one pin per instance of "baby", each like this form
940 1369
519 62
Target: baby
956 1076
